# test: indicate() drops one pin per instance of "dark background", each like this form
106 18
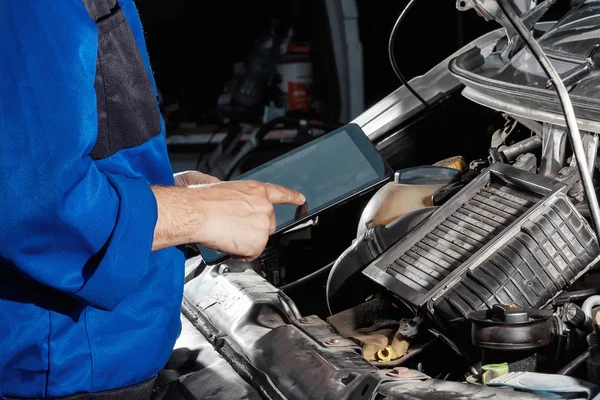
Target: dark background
193 44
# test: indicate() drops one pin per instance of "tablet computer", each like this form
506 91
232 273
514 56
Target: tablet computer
329 170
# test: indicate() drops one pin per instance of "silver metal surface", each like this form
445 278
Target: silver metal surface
590 141
226 299
530 124
525 112
347 49
590 144
526 162
199 372
554 145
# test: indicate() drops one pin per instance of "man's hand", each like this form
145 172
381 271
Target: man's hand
190 178
233 217
239 216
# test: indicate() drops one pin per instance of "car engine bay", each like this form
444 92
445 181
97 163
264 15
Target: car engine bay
472 275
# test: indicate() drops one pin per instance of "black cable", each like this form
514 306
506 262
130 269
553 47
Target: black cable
309 277
567 108
212 136
392 57
574 364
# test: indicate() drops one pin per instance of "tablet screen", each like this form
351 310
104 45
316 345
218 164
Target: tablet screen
326 170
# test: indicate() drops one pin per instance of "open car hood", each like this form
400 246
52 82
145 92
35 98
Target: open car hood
520 87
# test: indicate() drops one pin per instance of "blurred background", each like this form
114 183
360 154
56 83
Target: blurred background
194 45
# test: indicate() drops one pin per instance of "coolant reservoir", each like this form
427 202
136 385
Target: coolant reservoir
411 190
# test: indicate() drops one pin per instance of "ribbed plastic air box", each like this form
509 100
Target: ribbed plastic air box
508 236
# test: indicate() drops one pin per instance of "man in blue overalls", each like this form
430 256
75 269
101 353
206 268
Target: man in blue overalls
90 280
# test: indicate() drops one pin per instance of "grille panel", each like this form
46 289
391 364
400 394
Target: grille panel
508 236
466 231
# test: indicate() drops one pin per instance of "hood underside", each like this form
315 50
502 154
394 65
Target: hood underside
520 87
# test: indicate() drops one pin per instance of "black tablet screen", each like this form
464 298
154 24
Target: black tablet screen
327 170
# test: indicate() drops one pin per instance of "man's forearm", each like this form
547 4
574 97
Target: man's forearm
177 217
233 217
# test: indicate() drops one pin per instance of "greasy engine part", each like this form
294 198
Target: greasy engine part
509 327
258 330
511 153
554 144
578 27
590 144
526 162
508 333
508 237
375 326
582 78
555 80
574 316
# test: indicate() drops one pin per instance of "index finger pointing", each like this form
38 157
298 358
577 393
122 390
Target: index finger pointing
281 195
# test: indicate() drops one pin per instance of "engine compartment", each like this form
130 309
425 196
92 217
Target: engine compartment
486 288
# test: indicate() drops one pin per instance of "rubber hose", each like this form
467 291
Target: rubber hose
573 365
589 304
307 278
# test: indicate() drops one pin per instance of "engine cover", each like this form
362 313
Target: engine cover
509 236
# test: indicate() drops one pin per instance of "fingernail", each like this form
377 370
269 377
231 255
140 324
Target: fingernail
302 198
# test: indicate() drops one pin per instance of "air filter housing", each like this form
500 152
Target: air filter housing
510 236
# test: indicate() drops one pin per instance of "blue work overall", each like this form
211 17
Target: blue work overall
85 305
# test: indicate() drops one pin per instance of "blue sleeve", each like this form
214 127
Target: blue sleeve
65 222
